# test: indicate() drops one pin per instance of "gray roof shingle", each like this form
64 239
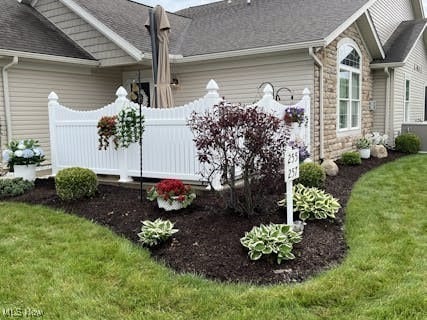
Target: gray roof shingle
402 40
127 19
23 29
223 26
220 26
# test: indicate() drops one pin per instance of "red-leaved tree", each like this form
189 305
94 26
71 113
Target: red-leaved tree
240 142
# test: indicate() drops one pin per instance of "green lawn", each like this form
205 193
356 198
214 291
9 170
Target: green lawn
72 269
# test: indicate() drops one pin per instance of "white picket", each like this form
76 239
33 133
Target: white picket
168 149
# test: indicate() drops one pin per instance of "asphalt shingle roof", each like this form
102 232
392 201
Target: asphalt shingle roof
402 40
222 26
23 29
127 19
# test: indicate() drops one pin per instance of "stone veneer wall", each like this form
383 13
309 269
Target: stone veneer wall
335 145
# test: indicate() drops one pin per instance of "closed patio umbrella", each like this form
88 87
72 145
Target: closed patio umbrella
164 92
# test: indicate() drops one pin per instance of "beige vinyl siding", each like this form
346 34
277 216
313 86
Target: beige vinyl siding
82 33
29 89
3 136
418 80
388 14
239 79
379 96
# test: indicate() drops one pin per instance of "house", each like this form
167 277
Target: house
365 61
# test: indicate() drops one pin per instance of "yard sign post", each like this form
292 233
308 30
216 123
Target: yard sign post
291 173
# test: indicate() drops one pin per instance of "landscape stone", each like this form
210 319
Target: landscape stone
331 169
379 151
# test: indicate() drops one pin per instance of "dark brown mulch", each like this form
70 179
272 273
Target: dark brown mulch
208 241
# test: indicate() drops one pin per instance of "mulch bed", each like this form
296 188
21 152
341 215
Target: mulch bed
208 241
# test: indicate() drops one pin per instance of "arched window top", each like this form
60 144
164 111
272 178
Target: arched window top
349 56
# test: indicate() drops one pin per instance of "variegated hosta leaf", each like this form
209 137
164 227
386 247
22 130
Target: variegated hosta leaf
313 203
270 239
154 232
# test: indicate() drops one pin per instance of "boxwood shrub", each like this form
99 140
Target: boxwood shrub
408 143
311 175
75 183
351 158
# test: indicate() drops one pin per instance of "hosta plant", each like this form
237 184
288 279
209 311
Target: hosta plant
154 232
312 203
276 239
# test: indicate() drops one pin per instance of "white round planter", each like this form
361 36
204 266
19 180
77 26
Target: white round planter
169 206
25 172
365 153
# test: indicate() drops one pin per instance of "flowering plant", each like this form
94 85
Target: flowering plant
106 130
128 129
294 114
24 152
303 151
124 128
170 190
377 138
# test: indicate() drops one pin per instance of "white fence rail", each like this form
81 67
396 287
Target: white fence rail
168 147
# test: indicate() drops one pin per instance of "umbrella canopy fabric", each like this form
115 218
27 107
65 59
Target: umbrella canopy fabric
164 92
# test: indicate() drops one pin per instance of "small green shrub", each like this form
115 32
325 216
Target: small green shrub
312 203
154 232
351 158
408 143
14 187
271 239
311 175
75 183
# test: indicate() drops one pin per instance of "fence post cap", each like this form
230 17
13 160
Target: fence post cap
212 85
306 92
268 90
53 96
121 92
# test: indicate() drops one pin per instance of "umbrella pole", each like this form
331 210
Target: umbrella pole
153 34
140 136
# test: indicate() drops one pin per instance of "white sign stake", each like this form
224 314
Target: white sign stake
291 173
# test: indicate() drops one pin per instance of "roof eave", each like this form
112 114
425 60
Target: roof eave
346 24
382 65
48 57
251 51
123 44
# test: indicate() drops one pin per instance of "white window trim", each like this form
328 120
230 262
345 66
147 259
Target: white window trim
354 130
407 110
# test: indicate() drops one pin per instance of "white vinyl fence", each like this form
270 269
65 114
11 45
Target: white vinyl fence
168 147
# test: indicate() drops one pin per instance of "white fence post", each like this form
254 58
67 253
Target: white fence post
267 99
52 105
212 97
307 110
122 152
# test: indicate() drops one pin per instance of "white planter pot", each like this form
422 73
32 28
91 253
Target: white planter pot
365 153
25 172
169 206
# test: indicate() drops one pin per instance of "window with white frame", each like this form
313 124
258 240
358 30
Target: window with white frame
349 86
407 99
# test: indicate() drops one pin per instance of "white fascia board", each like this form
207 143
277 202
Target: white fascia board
375 33
348 22
415 43
252 51
103 29
48 57
387 65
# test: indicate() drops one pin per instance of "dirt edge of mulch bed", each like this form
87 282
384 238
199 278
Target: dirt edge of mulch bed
208 241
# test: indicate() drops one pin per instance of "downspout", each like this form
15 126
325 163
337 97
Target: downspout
387 102
6 97
321 116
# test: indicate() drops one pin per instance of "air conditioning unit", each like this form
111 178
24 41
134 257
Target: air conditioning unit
419 129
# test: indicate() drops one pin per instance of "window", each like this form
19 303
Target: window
407 97
349 78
